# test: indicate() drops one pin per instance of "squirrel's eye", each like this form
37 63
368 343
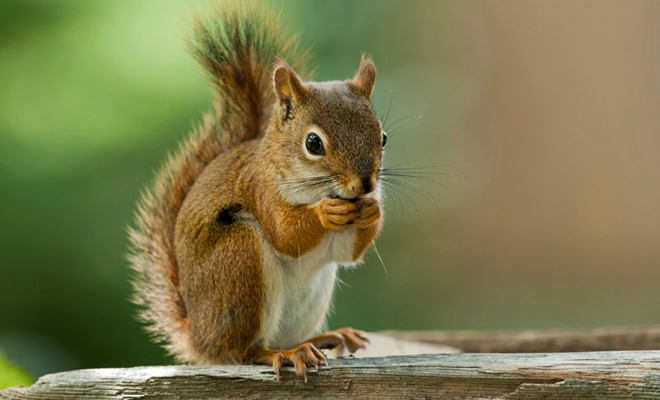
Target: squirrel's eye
314 145
384 139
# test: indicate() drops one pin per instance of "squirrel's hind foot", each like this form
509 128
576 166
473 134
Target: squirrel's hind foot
343 338
301 358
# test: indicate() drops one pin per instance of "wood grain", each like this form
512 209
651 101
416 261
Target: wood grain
539 341
601 375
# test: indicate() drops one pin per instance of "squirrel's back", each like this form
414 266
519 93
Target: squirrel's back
237 44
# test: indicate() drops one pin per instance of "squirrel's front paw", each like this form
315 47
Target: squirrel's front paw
369 211
337 214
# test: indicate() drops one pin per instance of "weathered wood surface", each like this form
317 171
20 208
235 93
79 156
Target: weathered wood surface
598 375
386 346
555 340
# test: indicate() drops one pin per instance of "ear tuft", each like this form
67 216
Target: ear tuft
288 85
365 78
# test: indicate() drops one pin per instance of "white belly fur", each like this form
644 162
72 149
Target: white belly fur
299 291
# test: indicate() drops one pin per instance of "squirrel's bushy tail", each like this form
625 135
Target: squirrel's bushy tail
237 44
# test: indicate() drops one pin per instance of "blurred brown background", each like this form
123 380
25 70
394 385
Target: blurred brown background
557 110
538 122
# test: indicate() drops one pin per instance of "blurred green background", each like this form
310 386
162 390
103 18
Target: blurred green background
538 119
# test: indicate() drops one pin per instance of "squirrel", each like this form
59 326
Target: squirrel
236 245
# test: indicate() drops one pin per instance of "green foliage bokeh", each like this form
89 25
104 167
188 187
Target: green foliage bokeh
94 95
11 375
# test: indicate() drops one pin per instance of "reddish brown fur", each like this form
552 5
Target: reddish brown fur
223 199
244 100
365 238
219 262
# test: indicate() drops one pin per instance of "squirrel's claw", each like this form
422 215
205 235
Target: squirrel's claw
348 338
278 360
302 357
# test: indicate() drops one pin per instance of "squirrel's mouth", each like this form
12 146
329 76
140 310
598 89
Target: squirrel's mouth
336 196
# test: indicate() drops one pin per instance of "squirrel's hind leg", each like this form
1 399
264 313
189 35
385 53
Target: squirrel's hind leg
302 357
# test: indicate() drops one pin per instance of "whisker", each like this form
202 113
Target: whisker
308 184
387 114
438 179
311 186
399 121
320 191
423 173
341 283
397 166
308 179
299 258
396 198
380 258
395 186
424 166
413 187
393 130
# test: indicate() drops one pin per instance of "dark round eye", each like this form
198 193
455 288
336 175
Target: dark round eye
314 145
384 139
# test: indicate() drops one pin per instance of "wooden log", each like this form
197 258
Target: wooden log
599 375
385 346
554 340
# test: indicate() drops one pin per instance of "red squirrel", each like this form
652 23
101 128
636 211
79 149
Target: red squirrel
236 245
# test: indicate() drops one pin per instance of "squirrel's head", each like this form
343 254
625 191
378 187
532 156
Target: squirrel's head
329 134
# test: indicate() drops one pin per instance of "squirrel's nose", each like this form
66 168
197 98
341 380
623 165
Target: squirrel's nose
367 186
361 186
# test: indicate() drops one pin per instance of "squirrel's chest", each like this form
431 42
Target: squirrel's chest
298 291
336 246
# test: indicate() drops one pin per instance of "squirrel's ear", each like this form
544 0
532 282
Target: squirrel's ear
288 85
365 79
